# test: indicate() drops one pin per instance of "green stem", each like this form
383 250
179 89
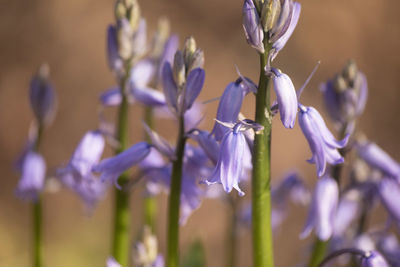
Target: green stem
121 233
150 204
174 200
37 217
261 182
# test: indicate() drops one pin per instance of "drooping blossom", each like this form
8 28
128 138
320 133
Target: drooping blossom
230 168
286 97
78 175
32 176
389 191
323 207
323 145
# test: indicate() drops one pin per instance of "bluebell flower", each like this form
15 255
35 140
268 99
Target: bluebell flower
42 96
111 168
208 143
286 97
390 247
32 177
78 175
389 191
252 26
378 159
115 62
322 211
373 259
323 144
230 167
228 108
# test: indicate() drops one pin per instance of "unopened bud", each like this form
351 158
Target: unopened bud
133 15
197 60
350 71
189 49
124 36
42 96
179 69
270 13
340 84
160 37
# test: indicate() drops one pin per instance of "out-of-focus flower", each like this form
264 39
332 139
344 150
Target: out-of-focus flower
78 176
146 252
323 144
322 212
348 210
286 97
378 159
32 178
111 168
373 259
42 96
346 94
389 191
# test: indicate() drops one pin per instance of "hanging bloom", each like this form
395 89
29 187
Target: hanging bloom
252 26
230 167
32 178
111 262
378 159
373 259
111 168
78 176
42 96
228 109
389 191
286 97
323 209
323 144
208 143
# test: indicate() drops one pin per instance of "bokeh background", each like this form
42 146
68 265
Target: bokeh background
70 36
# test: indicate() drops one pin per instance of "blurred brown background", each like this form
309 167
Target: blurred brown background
70 36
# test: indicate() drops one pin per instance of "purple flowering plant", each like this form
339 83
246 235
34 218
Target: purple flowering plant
166 79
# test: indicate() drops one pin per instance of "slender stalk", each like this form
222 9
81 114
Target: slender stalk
354 251
37 217
261 182
121 233
174 200
150 205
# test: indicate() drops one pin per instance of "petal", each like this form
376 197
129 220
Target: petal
252 26
111 262
149 97
160 143
208 143
142 73
281 42
389 191
379 159
287 99
32 178
111 168
114 60
194 84
228 108
169 86
170 47
347 211
111 97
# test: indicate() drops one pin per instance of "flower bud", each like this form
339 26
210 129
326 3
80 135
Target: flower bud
179 69
42 96
350 71
270 14
252 26
124 37
189 49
